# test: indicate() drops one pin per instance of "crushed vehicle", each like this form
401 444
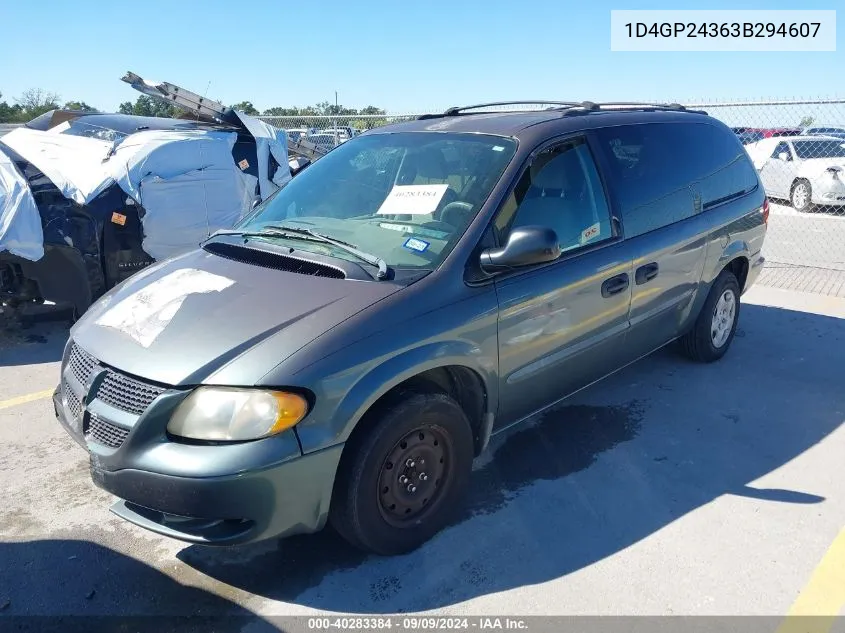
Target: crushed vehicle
88 199
345 352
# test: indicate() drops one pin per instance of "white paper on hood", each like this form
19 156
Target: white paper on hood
186 181
145 314
75 164
268 141
20 221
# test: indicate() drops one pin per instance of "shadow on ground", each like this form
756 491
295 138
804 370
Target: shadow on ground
105 591
32 340
625 459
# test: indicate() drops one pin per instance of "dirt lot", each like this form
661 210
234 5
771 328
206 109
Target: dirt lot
671 488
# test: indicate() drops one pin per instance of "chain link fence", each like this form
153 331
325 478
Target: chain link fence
798 147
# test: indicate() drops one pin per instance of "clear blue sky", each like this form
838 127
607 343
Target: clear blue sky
403 56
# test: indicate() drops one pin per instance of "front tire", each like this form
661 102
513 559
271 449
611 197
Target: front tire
715 327
404 474
801 196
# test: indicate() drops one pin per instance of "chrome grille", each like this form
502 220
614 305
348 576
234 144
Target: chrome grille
81 364
106 433
73 403
127 394
117 390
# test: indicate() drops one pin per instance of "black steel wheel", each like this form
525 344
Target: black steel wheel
415 475
403 473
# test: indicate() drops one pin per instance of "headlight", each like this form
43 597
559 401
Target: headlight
232 414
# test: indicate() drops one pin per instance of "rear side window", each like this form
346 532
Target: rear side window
657 167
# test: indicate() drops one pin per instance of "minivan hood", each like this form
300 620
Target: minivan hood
201 318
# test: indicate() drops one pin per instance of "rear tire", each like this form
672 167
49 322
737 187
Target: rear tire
402 477
715 326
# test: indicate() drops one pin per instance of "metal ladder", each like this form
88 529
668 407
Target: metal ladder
210 110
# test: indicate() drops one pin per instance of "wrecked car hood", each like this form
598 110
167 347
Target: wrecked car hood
76 164
200 318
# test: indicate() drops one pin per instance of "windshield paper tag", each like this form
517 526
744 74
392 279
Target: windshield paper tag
413 199
416 244
590 233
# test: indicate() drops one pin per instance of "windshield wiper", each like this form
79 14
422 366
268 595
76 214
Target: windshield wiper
295 232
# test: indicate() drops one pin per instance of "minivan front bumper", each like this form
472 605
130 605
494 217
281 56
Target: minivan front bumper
275 502
223 494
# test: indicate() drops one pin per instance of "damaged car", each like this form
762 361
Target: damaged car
88 199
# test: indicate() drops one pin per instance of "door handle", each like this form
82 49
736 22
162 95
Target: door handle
614 285
646 273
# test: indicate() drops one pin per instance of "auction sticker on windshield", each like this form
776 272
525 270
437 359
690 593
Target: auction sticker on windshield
413 199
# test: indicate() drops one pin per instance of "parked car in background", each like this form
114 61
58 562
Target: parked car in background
323 140
806 170
296 133
779 132
750 136
343 132
830 130
348 349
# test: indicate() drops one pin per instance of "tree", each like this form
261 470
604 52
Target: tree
246 107
807 121
279 111
35 102
150 106
78 105
10 114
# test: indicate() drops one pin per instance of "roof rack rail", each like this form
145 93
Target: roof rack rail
569 107
592 106
456 110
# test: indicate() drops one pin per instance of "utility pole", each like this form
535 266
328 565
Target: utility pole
335 121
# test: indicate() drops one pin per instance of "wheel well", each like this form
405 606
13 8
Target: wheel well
795 182
462 384
739 267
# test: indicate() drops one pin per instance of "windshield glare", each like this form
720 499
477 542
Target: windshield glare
406 197
819 149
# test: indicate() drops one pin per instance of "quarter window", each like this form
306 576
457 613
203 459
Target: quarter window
561 190
659 167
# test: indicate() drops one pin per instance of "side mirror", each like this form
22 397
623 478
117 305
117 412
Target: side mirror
527 245
784 156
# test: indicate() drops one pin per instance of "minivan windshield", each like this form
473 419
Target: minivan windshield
405 197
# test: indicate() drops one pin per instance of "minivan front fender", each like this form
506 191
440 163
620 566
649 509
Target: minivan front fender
344 398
